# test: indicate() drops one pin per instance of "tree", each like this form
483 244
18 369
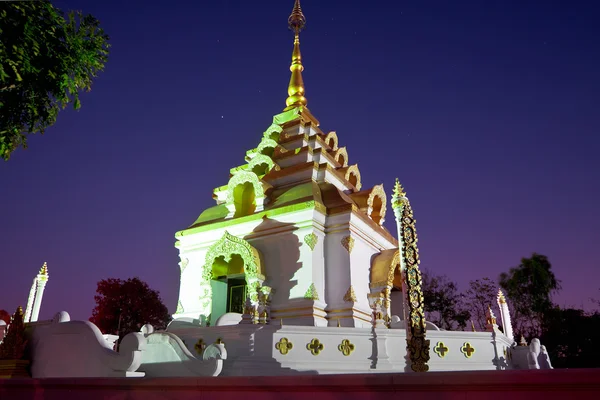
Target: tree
46 59
571 337
529 287
480 295
13 344
125 306
442 302
5 316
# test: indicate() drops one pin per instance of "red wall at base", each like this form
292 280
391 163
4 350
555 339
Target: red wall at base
489 385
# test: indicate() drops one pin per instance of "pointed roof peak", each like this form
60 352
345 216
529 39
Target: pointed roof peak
44 269
296 22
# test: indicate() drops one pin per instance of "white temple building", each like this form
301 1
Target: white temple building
294 271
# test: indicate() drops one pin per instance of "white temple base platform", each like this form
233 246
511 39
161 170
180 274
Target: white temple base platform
269 350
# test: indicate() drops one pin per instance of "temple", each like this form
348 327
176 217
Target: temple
290 272
296 241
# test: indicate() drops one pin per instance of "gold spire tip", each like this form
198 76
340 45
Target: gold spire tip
501 297
296 22
398 189
44 269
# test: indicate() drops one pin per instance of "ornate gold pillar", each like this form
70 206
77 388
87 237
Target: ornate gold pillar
417 344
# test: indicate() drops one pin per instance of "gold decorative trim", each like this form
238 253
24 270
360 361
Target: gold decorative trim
311 240
200 346
219 341
378 216
179 308
418 345
331 136
315 347
346 348
300 316
350 296
284 346
348 243
467 350
351 309
440 349
311 293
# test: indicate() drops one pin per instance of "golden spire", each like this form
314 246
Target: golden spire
44 269
296 98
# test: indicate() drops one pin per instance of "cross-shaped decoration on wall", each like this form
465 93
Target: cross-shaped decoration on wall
315 347
284 346
440 349
467 350
346 347
199 346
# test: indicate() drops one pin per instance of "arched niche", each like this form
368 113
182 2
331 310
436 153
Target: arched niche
266 147
244 194
273 132
332 140
385 283
353 176
231 275
377 204
341 156
261 164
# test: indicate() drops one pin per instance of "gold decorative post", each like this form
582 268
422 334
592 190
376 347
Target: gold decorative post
296 98
417 344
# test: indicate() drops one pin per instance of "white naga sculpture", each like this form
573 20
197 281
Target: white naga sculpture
538 357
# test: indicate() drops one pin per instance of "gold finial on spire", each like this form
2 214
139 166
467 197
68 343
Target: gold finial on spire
501 298
398 189
398 195
296 91
44 269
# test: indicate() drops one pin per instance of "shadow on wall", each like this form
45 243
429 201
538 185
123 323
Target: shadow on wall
281 256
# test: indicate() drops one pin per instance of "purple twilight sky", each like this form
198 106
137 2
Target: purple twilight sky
486 111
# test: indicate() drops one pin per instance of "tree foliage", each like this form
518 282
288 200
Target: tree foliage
480 295
443 303
125 306
571 337
46 59
13 344
529 287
